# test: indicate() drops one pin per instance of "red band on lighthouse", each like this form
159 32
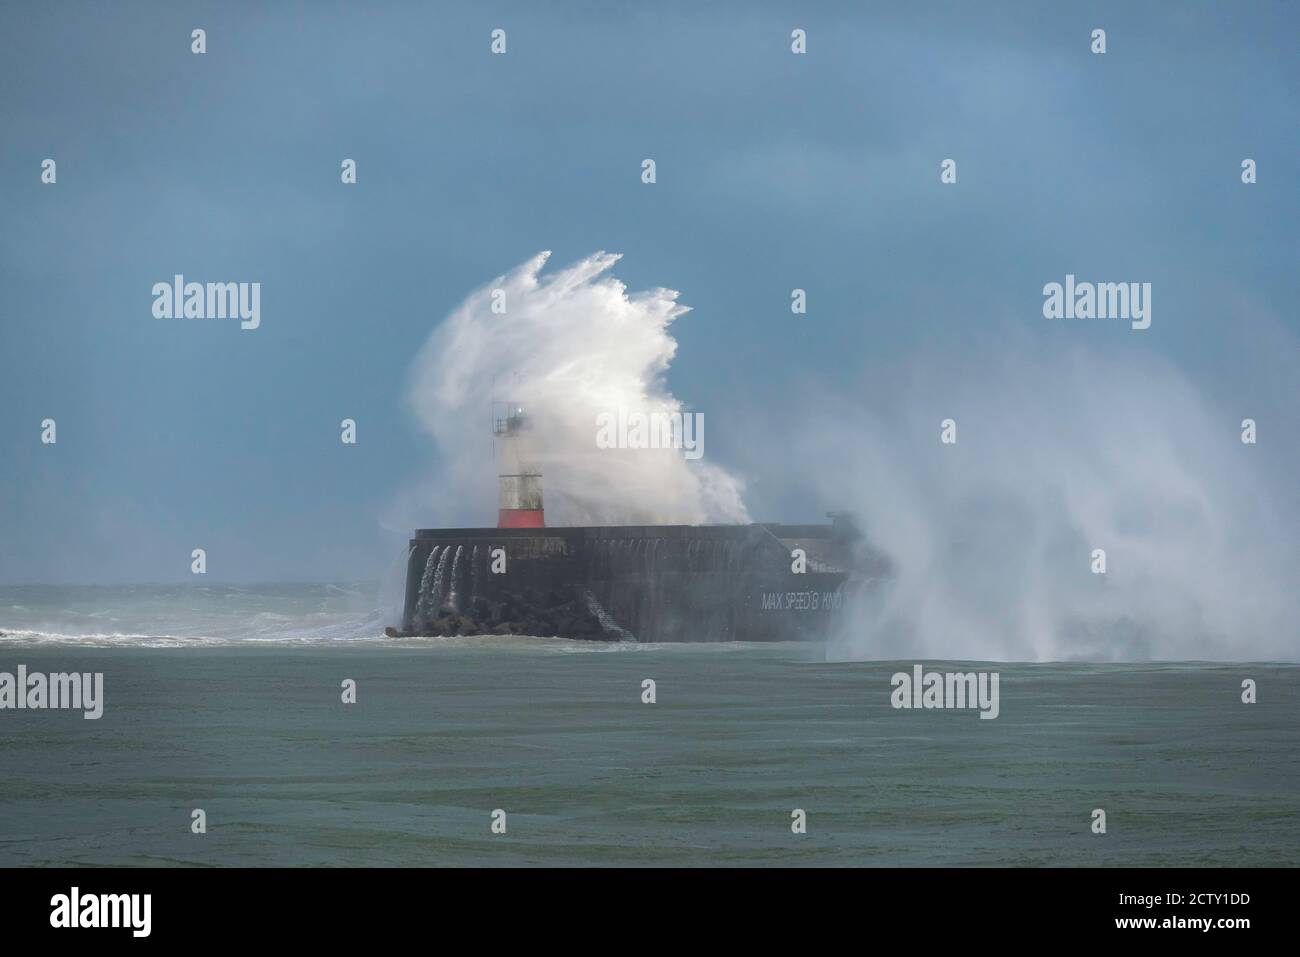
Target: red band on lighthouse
520 518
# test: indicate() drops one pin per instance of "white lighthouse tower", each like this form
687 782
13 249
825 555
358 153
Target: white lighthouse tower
519 502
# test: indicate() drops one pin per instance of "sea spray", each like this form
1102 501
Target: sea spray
570 345
991 539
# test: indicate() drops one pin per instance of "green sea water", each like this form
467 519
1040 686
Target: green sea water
557 736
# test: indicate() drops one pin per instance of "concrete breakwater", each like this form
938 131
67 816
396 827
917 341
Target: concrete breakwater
618 583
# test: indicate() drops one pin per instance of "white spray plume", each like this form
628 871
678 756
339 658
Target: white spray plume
1057 455
570 345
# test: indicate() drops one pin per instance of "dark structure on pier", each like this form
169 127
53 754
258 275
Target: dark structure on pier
643 583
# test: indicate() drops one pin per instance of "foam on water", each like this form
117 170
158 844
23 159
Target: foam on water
189 615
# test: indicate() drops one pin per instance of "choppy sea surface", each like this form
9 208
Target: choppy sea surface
228 699
160 616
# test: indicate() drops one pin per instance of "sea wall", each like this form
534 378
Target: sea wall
646 583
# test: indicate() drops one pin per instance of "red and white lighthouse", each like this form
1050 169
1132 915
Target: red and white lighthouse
519 503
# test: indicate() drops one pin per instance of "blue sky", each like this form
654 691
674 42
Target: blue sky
775 171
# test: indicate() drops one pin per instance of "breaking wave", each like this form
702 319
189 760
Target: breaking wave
569 345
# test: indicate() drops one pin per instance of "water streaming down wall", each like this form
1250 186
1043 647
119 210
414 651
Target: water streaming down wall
454 588
437 591
424 610
657 583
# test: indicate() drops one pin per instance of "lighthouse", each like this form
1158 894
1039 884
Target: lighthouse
519 503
